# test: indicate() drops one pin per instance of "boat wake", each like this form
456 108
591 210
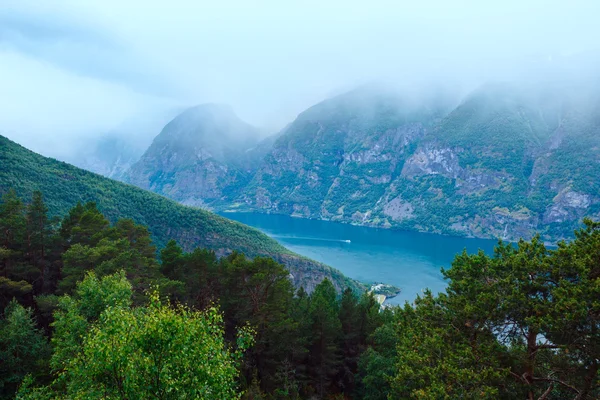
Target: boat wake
291 237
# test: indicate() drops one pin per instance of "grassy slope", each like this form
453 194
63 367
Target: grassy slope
64 185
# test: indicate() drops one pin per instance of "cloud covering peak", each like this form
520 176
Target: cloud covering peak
71 69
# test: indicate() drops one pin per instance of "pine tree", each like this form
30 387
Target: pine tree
171 257
12 231
324 359
23 349
38 235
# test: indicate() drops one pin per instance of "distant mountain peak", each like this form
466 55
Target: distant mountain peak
198 155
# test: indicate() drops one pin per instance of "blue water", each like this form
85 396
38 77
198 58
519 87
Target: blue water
409 260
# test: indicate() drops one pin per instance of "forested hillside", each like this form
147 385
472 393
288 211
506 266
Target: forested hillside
124 323
64 186
90 311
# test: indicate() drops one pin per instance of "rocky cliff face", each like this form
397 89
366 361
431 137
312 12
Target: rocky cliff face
506 162
201 157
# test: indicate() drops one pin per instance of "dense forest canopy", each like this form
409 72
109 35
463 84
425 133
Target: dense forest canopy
90 309
64 186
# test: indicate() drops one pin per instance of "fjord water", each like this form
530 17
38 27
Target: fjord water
409 260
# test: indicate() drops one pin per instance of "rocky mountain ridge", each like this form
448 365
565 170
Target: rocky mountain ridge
505 162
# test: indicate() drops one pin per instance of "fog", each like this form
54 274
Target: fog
71 70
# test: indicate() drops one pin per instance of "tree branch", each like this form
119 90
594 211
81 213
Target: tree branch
565 384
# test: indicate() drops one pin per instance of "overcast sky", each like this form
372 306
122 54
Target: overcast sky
77 68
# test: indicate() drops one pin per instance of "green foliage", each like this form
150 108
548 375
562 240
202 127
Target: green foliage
23 348
523 323
376 365
436 361
104 348
104 273
155 352
324 359
65 187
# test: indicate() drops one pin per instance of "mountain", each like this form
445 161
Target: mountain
111 156
201 157
64 185
506 161
340 155
113 153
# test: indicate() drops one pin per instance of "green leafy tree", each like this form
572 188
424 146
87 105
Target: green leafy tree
104 348
155 352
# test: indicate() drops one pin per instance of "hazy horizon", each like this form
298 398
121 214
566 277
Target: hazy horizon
71 71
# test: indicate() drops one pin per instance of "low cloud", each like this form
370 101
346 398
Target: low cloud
71 69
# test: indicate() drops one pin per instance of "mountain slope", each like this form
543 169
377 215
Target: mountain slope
199 157
341 154
64 185
506 162
111 156
113 153
498 165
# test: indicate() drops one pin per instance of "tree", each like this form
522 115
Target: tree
84 225
351 345
324 358
38 235
23 349
572 322
435 359
201 274
156 352
260 293
171 257
105 348
376 366
10 290
12 231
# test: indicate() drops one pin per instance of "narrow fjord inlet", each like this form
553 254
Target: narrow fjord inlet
299 200
409 260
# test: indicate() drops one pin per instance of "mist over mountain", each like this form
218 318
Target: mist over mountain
112 153
506 160
72 70
202 155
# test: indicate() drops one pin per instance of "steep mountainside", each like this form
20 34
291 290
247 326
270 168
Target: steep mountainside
505 162
340 155
111 156
64 185
199 157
